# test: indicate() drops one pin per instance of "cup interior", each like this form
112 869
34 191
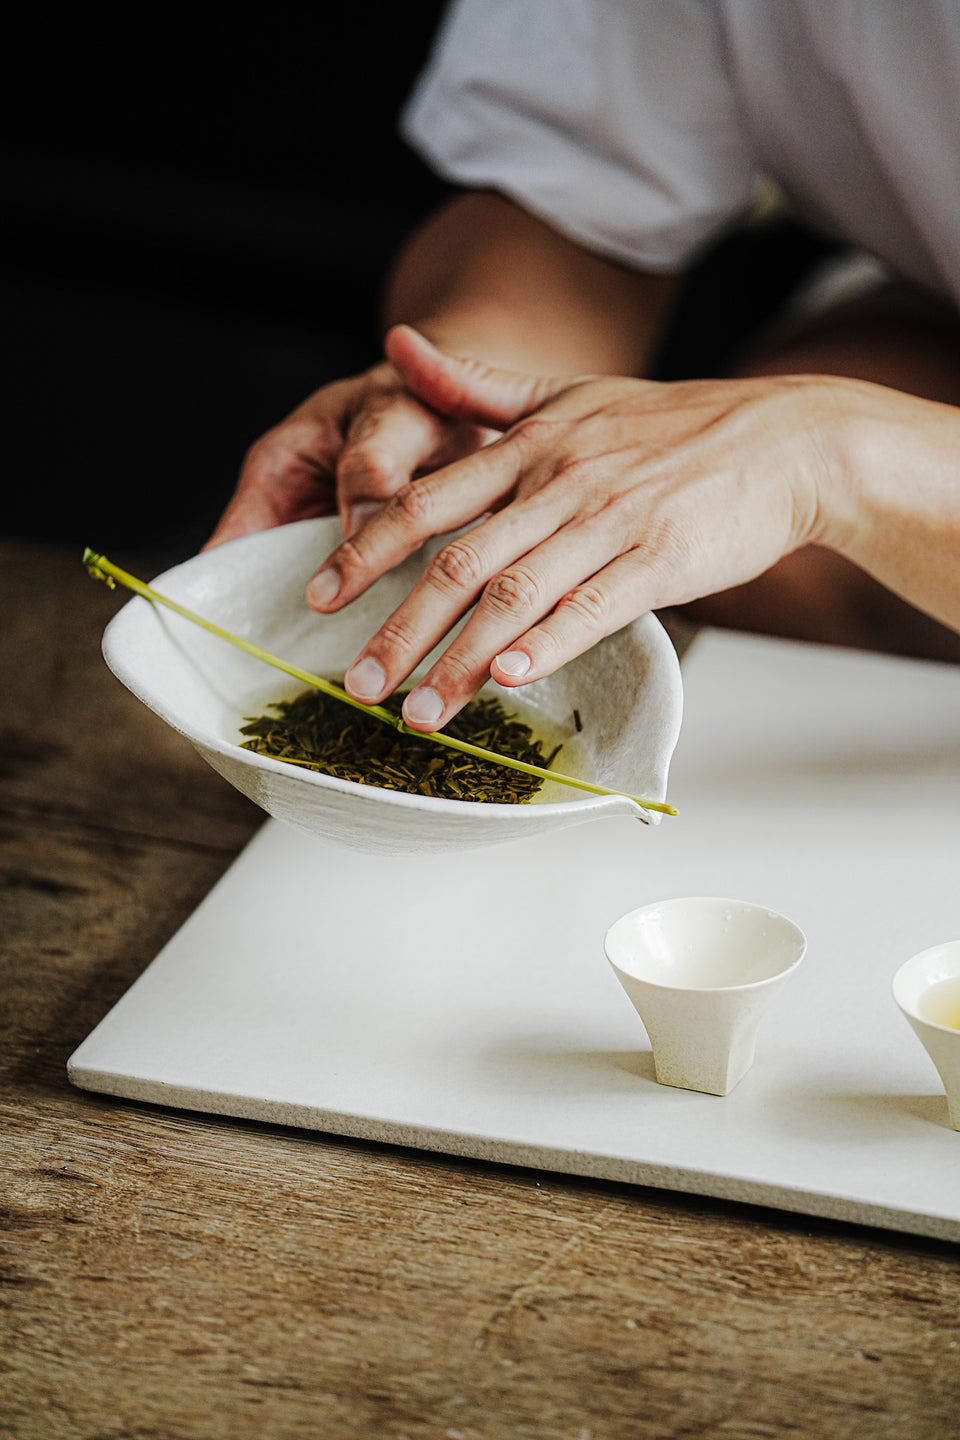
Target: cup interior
704 943
927 986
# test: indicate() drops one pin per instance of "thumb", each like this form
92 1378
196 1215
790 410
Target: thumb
466 389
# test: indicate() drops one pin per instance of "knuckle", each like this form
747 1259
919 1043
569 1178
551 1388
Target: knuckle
516 589
461 672
525 432
412 504
369 466
263 453
579 470
530 432
396 636
458 565
547 647
588 606
368 422
297 447
670 543
349 559
379 394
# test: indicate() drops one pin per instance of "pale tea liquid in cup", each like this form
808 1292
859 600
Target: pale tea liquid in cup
927 990
941 1004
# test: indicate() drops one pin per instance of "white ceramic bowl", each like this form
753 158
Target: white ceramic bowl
627 691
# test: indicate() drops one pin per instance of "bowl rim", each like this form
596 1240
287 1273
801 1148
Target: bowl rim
587 802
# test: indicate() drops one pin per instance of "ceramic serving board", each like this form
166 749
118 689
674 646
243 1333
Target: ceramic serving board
462 1003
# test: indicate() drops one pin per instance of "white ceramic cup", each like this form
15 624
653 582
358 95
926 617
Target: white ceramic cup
700 971
927 989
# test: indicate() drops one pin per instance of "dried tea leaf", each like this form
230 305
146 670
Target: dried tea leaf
315 731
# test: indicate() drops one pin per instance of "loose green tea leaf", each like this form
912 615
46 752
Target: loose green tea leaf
315 731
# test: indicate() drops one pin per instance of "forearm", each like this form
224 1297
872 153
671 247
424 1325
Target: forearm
893 506
484 278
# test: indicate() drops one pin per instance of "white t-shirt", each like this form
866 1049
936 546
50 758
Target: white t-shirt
639 127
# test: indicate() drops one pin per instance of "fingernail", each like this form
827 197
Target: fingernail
358 515
366 679
514 662
422 706
324 587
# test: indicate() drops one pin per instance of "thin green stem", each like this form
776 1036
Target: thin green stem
103 569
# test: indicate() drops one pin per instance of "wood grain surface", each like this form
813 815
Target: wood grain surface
167 1276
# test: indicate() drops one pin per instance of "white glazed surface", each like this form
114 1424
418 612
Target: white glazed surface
627 690
912 982
920 973
704 942
824 782
700 972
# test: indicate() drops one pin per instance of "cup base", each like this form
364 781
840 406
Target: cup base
709 1075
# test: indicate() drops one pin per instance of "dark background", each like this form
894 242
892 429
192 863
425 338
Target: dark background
198 225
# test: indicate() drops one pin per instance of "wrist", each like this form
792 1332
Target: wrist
893 507
840 425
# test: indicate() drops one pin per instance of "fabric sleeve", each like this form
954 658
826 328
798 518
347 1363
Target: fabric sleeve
614 120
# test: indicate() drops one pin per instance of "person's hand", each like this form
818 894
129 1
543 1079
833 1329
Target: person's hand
347 449
605 498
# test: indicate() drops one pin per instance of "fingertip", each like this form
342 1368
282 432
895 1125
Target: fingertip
432 374
402 335
324 588
423 708
512 667
366 680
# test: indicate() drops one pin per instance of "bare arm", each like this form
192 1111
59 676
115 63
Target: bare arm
486 280
895 507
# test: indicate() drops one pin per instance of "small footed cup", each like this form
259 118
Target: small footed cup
927 990
700 973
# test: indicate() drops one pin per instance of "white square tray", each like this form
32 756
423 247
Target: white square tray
462 1003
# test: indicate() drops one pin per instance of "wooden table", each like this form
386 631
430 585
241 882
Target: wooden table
171 1275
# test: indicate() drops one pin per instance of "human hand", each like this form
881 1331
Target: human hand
348 448
605 498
